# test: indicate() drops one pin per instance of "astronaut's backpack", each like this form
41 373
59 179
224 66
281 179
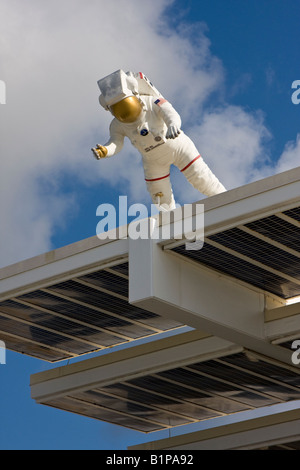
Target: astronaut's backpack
118 85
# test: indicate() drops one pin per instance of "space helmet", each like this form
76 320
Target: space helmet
121 92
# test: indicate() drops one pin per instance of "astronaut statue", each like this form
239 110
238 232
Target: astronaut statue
154 127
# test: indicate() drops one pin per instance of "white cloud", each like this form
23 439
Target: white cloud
231 141
28 220
52 54
290 157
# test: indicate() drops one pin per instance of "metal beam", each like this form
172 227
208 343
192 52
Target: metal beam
59 265
126 364
175 288
242 205
278 429
283 323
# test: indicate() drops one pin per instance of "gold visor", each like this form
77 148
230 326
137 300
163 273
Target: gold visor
127 110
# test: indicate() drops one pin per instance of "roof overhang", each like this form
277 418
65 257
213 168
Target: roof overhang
73 301
96 293
170 382
248 266
277 431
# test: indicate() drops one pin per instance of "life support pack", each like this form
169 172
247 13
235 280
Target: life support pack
119 85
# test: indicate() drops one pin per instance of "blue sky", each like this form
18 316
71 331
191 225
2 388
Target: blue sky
227 66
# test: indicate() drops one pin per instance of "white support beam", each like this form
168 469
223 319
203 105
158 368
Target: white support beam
283 323
175 288
245 204
127 364
222 300
278 429
58 265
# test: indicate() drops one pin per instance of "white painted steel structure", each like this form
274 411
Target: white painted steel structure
73 301
94 294
170 382
278 431
234 291
226 291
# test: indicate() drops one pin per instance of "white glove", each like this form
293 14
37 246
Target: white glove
99 152
172 132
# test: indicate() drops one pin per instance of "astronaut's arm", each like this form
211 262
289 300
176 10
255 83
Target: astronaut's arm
112 147
171 118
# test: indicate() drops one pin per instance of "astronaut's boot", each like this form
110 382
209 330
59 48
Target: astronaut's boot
162 194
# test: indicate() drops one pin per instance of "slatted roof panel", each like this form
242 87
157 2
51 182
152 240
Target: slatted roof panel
78 316
264 253
293 445
185 395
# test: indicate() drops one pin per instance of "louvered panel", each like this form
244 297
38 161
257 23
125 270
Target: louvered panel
77 316
264 253
197 391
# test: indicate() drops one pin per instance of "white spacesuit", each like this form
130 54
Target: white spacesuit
154 128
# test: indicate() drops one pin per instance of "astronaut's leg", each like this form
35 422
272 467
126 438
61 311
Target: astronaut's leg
202 178
196 171
161 193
